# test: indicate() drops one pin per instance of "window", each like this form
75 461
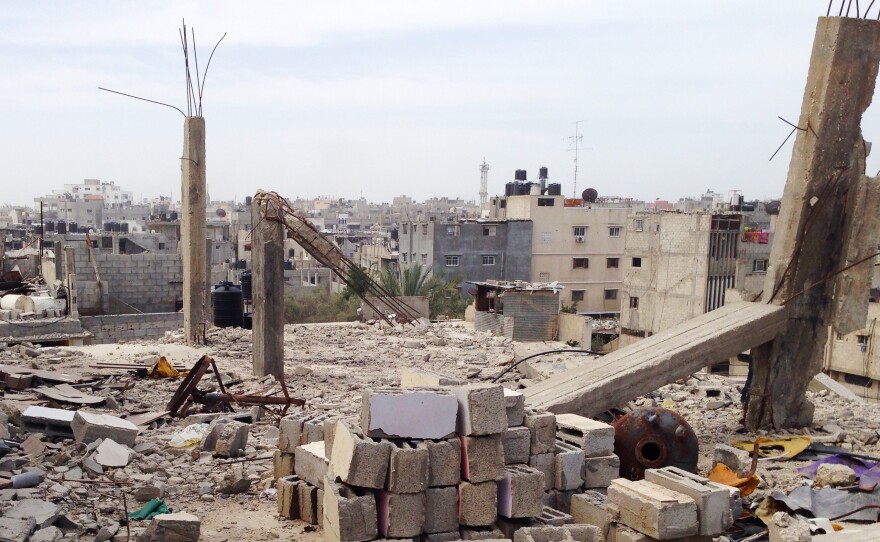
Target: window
546 237
404 257
636 262
610 294
614 231
452 261
424 229
489 230
544 277
424 258
580 231
580 263
759 266
452 230
488 259
405 228
612 263
639 224
545 202
633 302
503 204
577 295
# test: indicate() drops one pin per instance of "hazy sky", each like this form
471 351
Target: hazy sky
386 98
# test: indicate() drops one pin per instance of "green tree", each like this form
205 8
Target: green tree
444 297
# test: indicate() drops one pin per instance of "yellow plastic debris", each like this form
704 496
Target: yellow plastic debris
722 474
163 369
781 448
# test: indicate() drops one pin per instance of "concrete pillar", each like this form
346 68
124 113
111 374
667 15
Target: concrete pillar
267 268
810 244
193 230
209 301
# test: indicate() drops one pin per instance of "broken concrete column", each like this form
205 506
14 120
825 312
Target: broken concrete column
444 462
267 262
193 230
520 492
810 243
349 513
481 409
177 527
359 461
91 426
482 458
400 515
422 413
654 510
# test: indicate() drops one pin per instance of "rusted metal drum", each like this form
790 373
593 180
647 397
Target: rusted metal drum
652 438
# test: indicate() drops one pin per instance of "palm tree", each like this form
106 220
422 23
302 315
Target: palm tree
444 297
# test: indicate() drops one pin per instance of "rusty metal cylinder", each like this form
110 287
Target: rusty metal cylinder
653 438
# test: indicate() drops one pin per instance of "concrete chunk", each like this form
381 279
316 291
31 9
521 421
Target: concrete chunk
42 512
568 467
593 508
545 463
16 529
422 413
444 462
283 464
654 510
595 438
482 458
442 509
111 454
517 442
515 407
481 409
568 533
358 461
552 516
226 437
520 492
177 527
713 500
400 515
91 426
486 534
408 470
53 422
411 377
349 512
290 431
477 503
543 428
310 463
599 471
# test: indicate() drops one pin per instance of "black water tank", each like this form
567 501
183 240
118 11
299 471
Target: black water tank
108 226
523 189
248 200
247 320
125 227
510 189
542 173
50 225
288 265
116 227
72 227
554 189
62 227
173 215
246 285
228 305
520 175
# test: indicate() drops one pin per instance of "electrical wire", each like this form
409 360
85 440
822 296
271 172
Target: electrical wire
561 350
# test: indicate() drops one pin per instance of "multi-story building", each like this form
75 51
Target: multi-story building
575 243
680 265
475 250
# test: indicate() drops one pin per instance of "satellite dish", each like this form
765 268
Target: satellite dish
590 195
221 213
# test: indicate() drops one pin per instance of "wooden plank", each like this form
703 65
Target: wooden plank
658 360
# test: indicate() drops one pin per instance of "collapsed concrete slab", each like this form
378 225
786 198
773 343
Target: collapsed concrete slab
421 413
91 426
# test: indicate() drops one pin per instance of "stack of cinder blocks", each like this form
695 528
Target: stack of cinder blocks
669 504
301 465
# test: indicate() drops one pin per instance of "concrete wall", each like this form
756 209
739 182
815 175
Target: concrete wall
127 327
509 245
576 327
148 282
418 303
495 324
846 353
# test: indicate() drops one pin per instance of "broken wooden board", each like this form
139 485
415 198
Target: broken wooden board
663 358
65 393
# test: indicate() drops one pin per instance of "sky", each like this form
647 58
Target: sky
386 98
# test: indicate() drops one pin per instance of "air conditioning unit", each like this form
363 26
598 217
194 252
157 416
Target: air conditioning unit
578 238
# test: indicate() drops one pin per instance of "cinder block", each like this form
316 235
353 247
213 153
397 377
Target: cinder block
595 438
422 413
477 503
520 492
441 509
311 465
308 503
545 463
654 510
288 496
509 526
480 409
599 471
563 500
713 499
515 407
451 536
482 458
444 462
283 464
290 431
91 426
358 461
400 515
593 508
408 470
486 534
349 513
621 533
574 533
517 442
313 429
411 377
543 428
53 422
568 468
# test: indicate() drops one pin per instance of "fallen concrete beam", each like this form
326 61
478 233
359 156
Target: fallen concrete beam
658 360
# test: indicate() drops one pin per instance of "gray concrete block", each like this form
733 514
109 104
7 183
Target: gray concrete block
573 533
712 499
595 438
400 515
520 492
91 426
442 509
568 467
654 510
599 471
444 462
517 443
482 458
419 413
543 430
515 407
481 409
349 513
478 503
311 464
545 463
408 469
358 461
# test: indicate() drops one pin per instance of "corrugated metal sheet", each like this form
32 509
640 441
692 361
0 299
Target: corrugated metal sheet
534 314
495 324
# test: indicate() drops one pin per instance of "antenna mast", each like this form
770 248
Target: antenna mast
574 142
484 186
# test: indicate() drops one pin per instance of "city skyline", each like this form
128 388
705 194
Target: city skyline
342 99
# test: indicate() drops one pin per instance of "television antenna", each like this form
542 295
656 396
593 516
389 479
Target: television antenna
574 142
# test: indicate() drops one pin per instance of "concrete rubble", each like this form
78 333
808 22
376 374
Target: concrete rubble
494 468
